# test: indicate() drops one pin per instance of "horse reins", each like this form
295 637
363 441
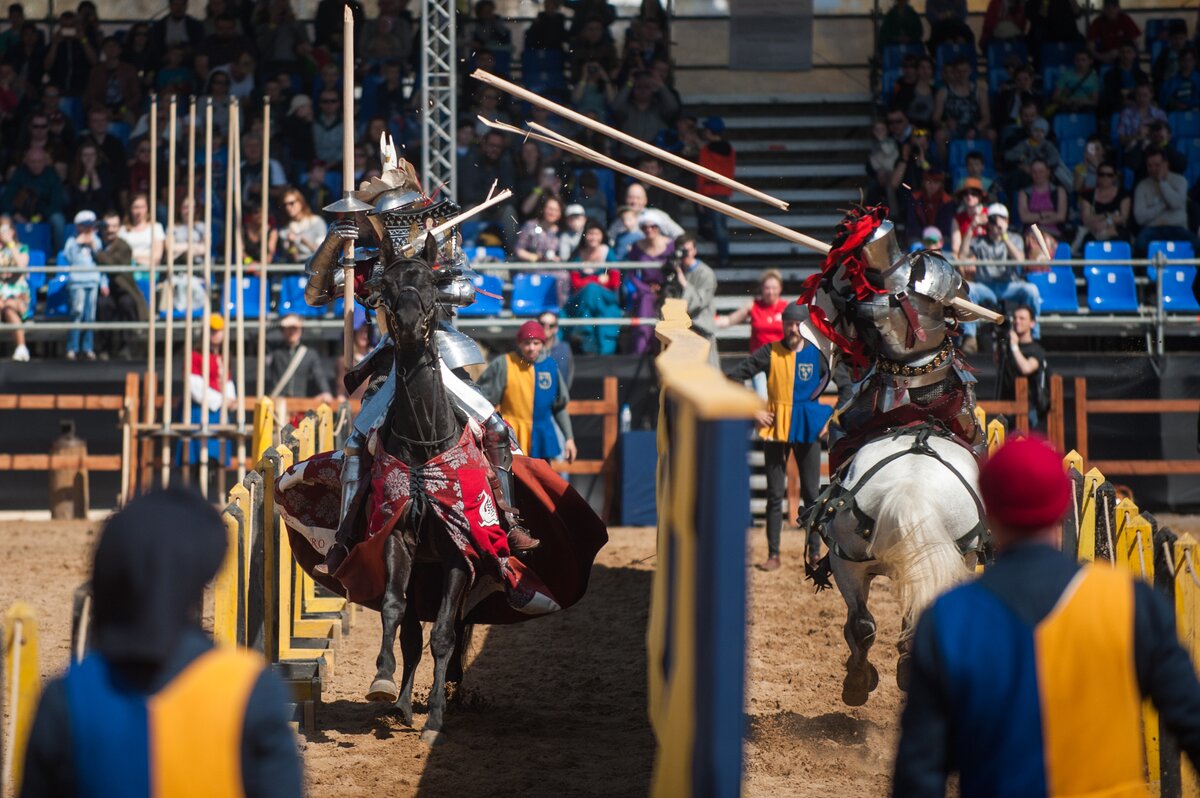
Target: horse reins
425 361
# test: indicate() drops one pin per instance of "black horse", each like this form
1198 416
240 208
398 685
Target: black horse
423 425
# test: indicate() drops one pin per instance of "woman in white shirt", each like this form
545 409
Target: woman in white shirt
305 230
146 239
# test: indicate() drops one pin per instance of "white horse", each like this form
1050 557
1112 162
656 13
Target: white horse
907 506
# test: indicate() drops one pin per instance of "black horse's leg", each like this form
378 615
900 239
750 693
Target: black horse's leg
441 643
397 560
410 652
458 662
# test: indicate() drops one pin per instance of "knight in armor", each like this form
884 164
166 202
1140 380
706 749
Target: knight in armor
890 317
400 217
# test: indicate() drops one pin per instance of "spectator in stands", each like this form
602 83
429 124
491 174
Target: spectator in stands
145 239
389 100
217 87
765 314
252 169
1120 81
932 240
594 293
253 252
1051 21
571 235
646 284
1181 92
593 45
489 163
241 71
1004 20
189 229
1037 147
537 240
644 45
699 290
718 155
327 23
931 207
996 281
1134 123
1014 133
488 105
1160 205
637 198
486 30
793 423
174 75
298 140
280 37
125 301
960 107
972 214
1043 202
1158 140
1022 356
549 185
548 31
900 25
316 191
115 84
1167 62
587 10
1104 210
177 27
14 288
305 229
594 91
557 348
625 231
28 57
976 167
593 200
227 42
1094 155
918 100
84 283
71 56
327 129
916 158
294 370
948 24
35 194
530 182
137 48
39 138
643 107
1109 30
90 181
899 127
1077 90
881 162
12 37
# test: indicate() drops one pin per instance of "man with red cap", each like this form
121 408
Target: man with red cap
1028 681
531 393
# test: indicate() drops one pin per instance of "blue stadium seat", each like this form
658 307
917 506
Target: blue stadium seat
1063 252
947 53
893 55
1177 289
997 52
959 148
37 257
470 231
543 70
1050 78
73 108
1071 151
249 294
334 181
35 235
1171 250
1060 54
533 294
1110 289
58 303
997 77
120 131
1107 250
1156 27
1184 124
143 284
1057 289
291 298
890 76
1074 126
485 254
485 305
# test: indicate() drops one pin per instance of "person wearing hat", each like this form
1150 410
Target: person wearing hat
971 213
718 155
1015 674
294 370
85 283
155 708
793 422
531 394
996 281
931 207
574 219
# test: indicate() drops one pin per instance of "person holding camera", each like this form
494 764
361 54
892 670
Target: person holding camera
693 281
84 282
1018 355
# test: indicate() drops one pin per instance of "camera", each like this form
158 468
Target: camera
671 288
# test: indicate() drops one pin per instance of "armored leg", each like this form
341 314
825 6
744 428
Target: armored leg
499 453
353 485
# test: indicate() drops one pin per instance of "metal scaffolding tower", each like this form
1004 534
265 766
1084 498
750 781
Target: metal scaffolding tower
439 90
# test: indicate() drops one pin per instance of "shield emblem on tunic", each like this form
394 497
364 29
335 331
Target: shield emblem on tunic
544 380
805 370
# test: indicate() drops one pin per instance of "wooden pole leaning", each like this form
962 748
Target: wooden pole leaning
206 326
189 341
231 294
260 353
169 305
240 259
624 138
151 388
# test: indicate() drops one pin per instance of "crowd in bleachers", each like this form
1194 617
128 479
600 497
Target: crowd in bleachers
75 142
1092 133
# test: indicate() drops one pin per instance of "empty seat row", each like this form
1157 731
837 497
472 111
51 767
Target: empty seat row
1112 288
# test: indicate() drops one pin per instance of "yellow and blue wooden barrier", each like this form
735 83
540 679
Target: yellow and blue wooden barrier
20 687
696 638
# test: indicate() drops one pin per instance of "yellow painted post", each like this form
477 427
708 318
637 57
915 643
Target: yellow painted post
995 435
23 686
1073 460
1126 543
324 428
264 427
981 417
1187 620
227 599
1087 520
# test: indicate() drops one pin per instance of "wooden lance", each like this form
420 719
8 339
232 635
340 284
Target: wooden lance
189 341
169 305
206 325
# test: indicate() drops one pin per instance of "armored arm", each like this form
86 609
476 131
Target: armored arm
325 274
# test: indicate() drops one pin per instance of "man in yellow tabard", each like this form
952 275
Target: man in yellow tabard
156 710
530 392
1028 681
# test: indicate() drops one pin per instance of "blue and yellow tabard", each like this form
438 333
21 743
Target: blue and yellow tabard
527 404
1046 710
793 381
183 741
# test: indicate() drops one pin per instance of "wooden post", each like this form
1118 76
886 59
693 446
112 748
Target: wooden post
995 435
233 152
240 258
227 600
151 384
1187 620
260 365
270 466
1055 421
1022 399
981 418
1086 551
205 324
264 427
611 431
1081 411
169 323
189 340
22 680
324 428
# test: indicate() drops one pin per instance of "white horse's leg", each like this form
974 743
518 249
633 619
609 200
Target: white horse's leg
854 581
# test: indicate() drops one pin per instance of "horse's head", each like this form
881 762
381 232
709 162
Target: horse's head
408 294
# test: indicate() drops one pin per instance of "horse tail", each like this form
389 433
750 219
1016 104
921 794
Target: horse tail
918 551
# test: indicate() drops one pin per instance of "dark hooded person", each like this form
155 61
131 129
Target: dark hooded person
156 710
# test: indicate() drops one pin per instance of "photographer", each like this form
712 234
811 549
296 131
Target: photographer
689 278
1021 356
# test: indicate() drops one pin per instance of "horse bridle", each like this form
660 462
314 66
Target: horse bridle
426 360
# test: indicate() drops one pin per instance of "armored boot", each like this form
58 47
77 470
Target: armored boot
499 454
352 490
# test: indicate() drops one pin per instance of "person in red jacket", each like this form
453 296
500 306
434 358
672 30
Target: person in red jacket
716 154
